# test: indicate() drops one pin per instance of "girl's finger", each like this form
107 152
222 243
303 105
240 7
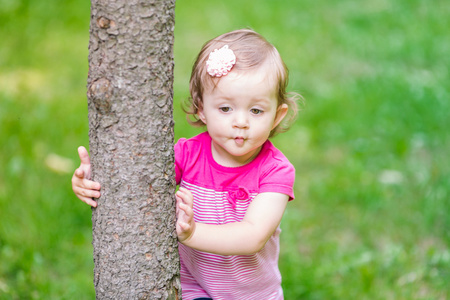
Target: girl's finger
180 196
79 173
80 191
184 191
187 209
88 201
84 156
92 185
184 226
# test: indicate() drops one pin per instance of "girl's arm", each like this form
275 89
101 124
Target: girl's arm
240 238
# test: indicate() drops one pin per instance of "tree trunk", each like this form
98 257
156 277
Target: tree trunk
130 91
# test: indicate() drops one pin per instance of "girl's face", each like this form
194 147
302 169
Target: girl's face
240 113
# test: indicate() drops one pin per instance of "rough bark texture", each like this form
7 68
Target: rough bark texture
131 143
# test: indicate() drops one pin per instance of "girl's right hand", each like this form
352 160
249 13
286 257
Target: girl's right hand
84 188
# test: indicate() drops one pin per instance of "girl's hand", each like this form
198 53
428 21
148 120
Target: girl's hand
185 215
246 237
82 186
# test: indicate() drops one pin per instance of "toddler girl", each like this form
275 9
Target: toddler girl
234 184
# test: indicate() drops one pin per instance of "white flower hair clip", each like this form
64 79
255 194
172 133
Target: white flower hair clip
220 62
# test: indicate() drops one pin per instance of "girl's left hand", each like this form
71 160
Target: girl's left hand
185 214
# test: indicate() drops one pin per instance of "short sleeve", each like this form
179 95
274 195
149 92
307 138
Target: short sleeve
279 178
179 159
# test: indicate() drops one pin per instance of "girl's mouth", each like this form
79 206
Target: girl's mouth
239 140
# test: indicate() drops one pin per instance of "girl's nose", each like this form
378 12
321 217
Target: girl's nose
240 120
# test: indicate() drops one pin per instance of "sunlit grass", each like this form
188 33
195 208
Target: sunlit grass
370 219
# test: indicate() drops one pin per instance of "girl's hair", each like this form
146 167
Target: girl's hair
252 51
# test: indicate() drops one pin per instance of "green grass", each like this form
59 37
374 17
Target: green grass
370 219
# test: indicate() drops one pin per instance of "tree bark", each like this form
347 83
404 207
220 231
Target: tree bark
130 91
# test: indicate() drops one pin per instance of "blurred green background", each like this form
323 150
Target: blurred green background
371 146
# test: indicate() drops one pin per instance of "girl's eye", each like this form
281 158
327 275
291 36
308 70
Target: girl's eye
256 111
225 109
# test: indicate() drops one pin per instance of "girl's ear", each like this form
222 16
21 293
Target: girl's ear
281 113
201 115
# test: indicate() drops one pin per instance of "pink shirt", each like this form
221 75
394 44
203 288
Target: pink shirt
222 195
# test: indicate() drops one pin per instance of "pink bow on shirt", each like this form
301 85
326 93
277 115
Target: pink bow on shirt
239 194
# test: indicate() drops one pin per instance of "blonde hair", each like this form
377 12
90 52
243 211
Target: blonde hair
252 50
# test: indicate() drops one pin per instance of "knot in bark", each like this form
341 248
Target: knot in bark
100 92
103 22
